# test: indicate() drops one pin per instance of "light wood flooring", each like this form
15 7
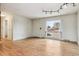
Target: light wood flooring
38 47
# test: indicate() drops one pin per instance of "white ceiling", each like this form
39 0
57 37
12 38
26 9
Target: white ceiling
34 10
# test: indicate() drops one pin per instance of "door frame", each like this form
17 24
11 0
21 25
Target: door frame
9 26
46 29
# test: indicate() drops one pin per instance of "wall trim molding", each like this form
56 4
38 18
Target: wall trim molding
63 40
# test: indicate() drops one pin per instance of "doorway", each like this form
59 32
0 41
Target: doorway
53 29
6 27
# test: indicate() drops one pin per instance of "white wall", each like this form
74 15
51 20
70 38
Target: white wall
37 23
22 27
69 28
78 25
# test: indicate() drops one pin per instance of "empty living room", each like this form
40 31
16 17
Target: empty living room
39 29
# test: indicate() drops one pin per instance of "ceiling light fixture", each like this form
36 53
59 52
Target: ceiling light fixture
63 6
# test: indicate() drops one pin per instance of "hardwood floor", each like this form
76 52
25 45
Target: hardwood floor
38 47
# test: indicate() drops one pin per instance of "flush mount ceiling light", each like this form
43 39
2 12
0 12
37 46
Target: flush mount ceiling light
63 6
